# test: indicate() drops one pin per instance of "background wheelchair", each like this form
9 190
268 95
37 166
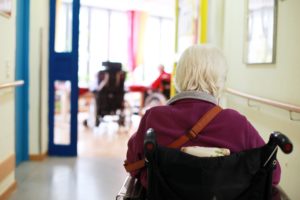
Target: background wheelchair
156 97
109 95
150 97
247 175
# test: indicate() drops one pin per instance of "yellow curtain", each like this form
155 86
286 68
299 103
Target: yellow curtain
201 25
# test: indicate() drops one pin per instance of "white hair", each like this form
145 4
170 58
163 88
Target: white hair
201 68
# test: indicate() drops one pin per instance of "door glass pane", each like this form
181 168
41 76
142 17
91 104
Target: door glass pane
62 116
63 26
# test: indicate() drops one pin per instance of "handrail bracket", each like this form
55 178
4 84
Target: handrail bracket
251 105
291 116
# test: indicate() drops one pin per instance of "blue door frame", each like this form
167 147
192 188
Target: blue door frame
64 66
22 73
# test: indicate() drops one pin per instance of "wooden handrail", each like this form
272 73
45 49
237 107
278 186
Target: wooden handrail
277 104
12 84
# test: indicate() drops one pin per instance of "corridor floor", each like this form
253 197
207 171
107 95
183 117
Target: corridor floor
96 174
81 178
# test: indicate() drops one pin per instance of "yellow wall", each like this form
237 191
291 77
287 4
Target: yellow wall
279 81
7 96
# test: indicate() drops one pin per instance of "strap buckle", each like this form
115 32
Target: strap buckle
191 134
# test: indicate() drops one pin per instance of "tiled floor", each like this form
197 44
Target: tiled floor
69 179
96 174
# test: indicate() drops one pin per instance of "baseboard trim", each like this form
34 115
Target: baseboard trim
38 157
7 166
6 194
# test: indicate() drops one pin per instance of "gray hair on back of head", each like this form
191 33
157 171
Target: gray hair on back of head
201 68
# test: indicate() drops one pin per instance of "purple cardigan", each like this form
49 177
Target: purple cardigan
228 129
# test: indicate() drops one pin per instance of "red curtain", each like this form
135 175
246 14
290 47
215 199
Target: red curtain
137 23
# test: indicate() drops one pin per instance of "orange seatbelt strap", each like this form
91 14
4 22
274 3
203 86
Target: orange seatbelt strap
193 133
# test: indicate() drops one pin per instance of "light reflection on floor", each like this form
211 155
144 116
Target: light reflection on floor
108 139
96 174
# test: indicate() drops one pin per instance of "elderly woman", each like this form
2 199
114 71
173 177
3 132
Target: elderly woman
200 78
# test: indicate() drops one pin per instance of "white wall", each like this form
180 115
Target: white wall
215 27
279 81
7 96
39 59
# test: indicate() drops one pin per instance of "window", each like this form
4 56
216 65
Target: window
152 44
99 33
103 36
159 46
118 37
83 59
63 26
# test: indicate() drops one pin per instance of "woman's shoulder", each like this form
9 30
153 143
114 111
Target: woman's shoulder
228 112
233 116
157 109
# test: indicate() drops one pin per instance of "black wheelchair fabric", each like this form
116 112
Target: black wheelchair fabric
111 97
240 176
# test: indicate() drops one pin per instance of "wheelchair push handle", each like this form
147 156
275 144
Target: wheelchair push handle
150 140
277 138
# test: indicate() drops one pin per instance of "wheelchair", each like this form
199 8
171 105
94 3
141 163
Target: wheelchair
247 175
159 96
109 97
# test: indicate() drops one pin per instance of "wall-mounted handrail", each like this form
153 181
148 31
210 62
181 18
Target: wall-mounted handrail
277 104
12 84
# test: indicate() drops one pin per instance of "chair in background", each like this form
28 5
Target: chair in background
110 97
109 94
159 96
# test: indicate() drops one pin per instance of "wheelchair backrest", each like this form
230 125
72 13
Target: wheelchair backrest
246 175
116 77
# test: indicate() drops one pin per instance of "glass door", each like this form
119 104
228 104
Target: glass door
63 77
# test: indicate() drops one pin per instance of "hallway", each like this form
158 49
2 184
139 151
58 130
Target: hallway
51 54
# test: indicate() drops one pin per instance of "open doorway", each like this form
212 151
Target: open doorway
100 41
136 38
118 32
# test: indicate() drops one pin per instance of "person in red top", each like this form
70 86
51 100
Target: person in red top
162 82
162 76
